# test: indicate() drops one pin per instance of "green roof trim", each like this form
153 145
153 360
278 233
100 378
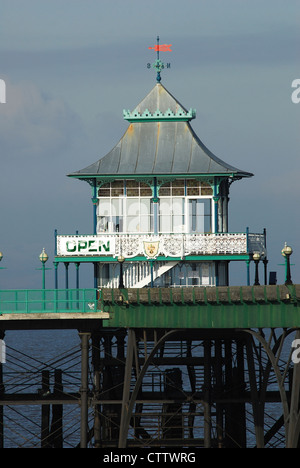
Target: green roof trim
169 116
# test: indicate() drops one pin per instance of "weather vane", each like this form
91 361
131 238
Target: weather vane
158 64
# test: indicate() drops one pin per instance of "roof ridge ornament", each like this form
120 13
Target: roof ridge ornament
157 116
158 64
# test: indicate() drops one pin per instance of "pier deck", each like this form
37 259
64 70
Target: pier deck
199 307
195 307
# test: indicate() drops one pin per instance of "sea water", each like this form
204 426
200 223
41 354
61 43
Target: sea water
28 353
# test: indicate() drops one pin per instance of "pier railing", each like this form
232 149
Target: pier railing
194 307
24 301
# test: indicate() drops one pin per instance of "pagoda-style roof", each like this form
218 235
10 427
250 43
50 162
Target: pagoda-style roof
159 141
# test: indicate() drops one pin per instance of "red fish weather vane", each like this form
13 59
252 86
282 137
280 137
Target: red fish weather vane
162 48
158 64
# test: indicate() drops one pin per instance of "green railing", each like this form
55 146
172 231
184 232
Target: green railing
24 301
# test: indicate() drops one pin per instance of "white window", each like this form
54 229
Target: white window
171 215
199 210
185 206
125 206
139 215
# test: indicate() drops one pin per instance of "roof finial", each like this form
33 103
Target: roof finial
158 64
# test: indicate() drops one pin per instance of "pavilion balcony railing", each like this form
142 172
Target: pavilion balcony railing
167 245
25 301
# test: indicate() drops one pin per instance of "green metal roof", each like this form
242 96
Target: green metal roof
159 141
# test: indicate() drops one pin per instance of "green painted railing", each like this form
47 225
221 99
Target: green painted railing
22 301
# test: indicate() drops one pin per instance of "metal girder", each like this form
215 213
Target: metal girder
244 349
289 399
129 401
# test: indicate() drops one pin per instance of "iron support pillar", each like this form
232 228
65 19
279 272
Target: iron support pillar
125 415
206 391
97 386
129 400
294 418
84 388
257 405
2 392
1 409
219 390
45 411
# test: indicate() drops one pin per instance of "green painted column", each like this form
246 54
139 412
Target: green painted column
155 206
216 198
95 201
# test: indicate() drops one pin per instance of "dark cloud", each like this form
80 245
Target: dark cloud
39 135
64 111
33 124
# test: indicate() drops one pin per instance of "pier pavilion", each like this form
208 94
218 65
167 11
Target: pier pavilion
160 206
203 365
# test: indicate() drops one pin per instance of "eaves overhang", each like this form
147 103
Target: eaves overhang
159 142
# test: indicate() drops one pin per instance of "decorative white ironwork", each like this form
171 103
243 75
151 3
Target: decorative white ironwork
182 245
166 245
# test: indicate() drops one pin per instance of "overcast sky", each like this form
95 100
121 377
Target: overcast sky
72 66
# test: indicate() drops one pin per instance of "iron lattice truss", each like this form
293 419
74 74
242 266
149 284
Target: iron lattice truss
156 388
199 389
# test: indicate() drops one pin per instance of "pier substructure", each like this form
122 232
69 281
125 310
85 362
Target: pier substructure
217 370
212 389
211 379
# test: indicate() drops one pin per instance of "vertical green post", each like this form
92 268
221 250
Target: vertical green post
216 202
43 258
95 201
151 269
155 206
